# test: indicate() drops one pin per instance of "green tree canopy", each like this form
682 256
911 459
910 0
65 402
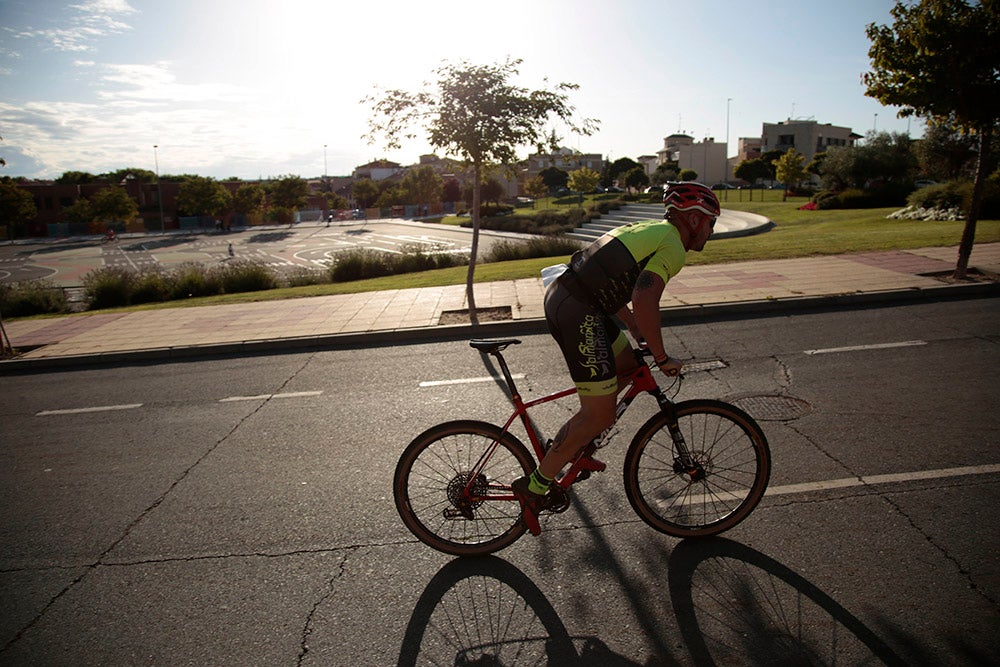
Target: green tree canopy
753 170
201 195
535 187
554 177
365 192
17 207
939 59
474 113
636 178
422 185
790 168
249 198
112 204
583 179
290 192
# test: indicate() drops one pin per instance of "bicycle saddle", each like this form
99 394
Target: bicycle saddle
492 345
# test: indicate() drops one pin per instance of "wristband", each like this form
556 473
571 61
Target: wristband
660 362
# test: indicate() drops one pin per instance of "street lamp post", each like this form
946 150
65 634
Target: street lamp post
725 153
159 190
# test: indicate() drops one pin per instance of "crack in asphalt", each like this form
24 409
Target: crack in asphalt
327 594
884 497
101 558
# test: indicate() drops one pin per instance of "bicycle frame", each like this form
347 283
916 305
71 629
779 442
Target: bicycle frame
637 381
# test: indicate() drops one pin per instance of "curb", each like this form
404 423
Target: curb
671 315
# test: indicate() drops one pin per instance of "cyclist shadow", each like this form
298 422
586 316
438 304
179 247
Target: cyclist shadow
731 602
732 605
485 611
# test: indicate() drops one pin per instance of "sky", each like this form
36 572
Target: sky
263 88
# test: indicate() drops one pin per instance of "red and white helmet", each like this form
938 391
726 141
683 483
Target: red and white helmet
691 196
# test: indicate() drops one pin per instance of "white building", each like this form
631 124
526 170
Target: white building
708 157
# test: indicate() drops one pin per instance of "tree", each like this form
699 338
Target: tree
664 173
554 177
476 114
201 195
884 158
422 185
583 180
288 192
688 175
620 167
536 188
754 170
112 204
365 192
945 153
452 190
636 178
249 199
17 207
790 169
939 59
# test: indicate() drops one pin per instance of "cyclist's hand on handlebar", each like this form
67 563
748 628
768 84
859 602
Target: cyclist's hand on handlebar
670 367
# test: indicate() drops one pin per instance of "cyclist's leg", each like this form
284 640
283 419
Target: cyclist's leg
589 341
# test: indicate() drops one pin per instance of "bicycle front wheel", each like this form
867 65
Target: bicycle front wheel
728 469
451 498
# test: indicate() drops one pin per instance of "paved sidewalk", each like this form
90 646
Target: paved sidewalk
413 314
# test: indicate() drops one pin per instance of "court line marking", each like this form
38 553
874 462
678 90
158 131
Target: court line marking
488 378
96 408
874 346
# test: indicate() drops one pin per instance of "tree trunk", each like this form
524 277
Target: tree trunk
476 195
969 232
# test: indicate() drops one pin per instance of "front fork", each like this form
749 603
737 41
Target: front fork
684 463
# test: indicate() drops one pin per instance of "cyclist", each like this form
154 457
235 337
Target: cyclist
629 264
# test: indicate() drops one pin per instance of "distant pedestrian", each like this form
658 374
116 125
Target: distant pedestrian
231 252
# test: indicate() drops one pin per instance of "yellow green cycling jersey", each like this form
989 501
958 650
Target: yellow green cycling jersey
609 267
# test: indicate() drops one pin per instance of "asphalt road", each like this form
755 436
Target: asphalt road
238 511
287 248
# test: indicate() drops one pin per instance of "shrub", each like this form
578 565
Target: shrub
244 276
108 287
300 276
32 297
358 264
150 287
192 279
953 194
545 246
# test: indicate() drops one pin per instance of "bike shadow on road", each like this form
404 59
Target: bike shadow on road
731 604
485 611
731 601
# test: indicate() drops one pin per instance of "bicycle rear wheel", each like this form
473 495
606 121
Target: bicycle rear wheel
731 465
432 483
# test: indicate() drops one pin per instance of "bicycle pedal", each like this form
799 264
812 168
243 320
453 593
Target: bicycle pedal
559 499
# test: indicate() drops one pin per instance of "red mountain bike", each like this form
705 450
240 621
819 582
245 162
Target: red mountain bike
694 469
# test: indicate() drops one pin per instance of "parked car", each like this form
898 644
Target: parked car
923 183
724 186
654 188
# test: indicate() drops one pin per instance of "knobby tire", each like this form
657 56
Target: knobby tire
733 452
437 464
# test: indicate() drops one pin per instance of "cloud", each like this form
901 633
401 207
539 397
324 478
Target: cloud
156 83
92 21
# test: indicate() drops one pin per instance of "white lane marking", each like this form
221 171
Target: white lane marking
882 479
876 346
710 496
263 397
488 378
97 408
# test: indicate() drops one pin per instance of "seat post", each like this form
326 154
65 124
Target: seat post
506 375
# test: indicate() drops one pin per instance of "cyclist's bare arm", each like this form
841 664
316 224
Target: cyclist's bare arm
646 311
